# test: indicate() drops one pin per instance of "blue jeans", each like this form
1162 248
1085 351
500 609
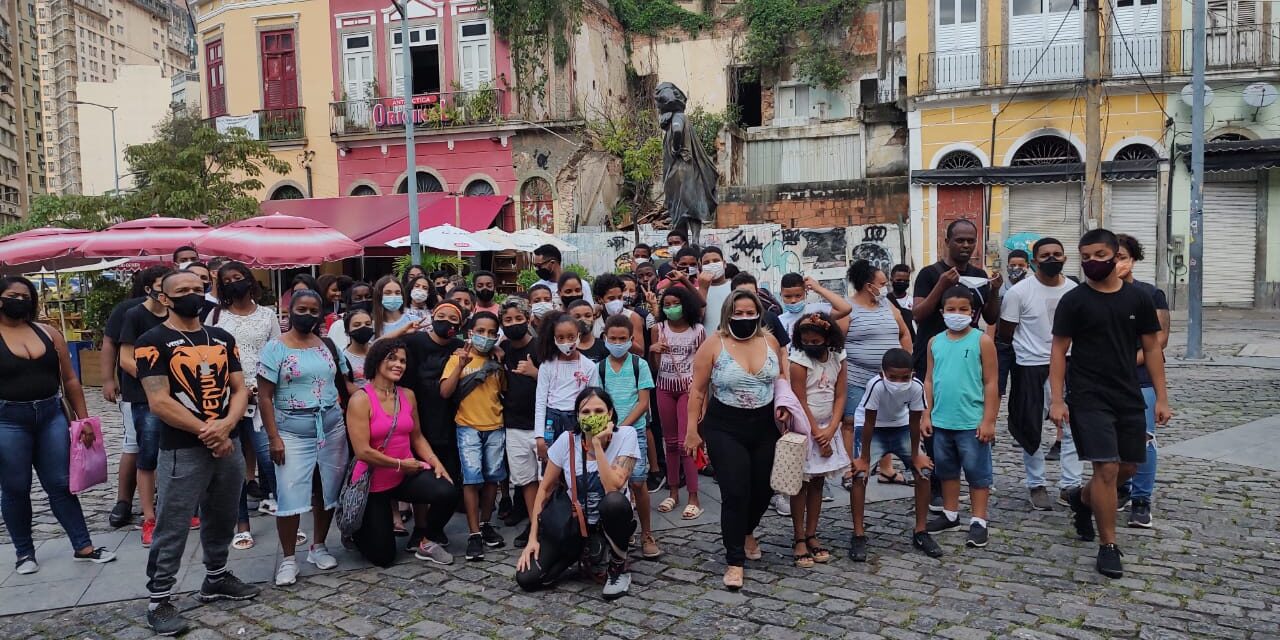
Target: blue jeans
1072 468
148 427
255 440
1143 483
483 455
36 434
956 449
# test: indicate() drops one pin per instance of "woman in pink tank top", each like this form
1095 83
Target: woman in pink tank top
382 426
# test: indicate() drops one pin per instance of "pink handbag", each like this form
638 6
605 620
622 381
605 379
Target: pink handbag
88 464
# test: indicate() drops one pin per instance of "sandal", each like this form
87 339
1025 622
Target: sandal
753 554
691 512
301 538
242 541
847 482
666 506
733 578
820 555
802 560
896 478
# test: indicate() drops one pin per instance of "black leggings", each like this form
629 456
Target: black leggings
376 539
617 523
740 443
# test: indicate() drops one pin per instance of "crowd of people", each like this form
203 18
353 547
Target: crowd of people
569 403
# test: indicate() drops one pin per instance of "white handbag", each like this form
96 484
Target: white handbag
788 463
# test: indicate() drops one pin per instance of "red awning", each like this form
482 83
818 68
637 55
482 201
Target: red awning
373 221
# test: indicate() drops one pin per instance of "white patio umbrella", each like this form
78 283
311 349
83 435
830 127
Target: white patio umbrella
447 237
497 237
529 239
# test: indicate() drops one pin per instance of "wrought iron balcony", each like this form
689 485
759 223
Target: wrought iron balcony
446 109
278 125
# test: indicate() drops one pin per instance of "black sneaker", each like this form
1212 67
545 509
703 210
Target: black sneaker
1140 513
977 536
1055 452
522 540
518 513
99 555
656 482
858 548
492 538
925 542
254 490
504 506
227 587
475 547
1081 515
1109 563
935 504
1122 498
941 522
121 514
165 620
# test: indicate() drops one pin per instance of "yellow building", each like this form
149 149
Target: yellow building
265 67
997 119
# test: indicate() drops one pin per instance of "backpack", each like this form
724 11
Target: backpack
635 369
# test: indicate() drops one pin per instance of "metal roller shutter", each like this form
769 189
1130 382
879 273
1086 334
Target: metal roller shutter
1133 211
1049 210
1230 242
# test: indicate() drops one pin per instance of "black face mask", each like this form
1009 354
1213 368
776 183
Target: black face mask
900 286
485 295
238 289
360 305
362 335
568 300
583 327
303 322
544 273
743 328
444 328
516 332
188 306
1050 268
153 294
814 351
16 308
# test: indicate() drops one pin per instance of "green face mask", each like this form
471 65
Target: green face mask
593 424
674 312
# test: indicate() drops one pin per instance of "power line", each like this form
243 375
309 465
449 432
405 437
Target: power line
1136 67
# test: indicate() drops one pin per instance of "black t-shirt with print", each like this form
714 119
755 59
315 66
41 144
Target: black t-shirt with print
933 324
1106 331
137 321
198 367
518 401
426 360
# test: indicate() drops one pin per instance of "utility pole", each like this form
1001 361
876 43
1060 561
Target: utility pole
1092 115
410 154
1195 272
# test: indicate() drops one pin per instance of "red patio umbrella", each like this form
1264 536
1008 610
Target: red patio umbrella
278 241
45 243
154 236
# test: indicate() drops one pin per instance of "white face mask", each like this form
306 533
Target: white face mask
566 347
614 307
716 269
641 260
883 294
540 309
895 388
956 321
418 295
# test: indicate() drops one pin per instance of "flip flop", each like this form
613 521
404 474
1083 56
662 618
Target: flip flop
301 538
667 505
847 482
896 478
242 541
691 512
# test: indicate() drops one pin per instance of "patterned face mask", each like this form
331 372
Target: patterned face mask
593 424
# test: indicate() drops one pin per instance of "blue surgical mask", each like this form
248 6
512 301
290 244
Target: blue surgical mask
793 308
392 302
483 343
618 350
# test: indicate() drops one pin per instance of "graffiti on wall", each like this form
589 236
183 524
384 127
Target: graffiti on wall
766 250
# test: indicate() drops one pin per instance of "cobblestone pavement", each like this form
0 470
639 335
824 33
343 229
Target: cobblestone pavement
1210 569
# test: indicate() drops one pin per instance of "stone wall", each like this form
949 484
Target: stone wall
816 204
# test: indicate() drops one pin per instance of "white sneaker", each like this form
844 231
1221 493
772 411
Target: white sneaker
781 504
267 506
27 566
319 556
287 574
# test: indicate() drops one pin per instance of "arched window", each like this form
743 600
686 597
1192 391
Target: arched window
1136 152
364 190
479 188
537 204
427 183
959 160
1045 150
287 192
1229 137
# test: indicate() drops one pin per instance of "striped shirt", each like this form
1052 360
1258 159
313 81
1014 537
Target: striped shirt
871 333
675 365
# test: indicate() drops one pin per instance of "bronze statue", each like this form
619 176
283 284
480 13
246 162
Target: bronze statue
689 177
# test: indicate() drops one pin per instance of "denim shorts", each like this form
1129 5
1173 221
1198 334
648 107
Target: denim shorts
303 456
147 428
892 440
853 395
483 455
957 449
640 473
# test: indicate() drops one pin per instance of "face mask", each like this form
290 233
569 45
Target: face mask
674 312
895 387
545 273
485 295
362 335
566 347
182 266
360 305
618 350
614 307
419 295
882 294
716 269
793 308
483 343
1051 268
744 328
568 300
956 321
238 289
392 303
641 260
153 294
16 308
303 322
516 332
814 351
900 287
628 300
1098 270
444 328
188 306
540 309
1016 274
593 424
583 327
692 271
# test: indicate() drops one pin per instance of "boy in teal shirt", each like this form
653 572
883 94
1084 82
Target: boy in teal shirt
962 399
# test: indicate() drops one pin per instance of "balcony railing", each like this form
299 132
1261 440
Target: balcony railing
430 111
1167 53
276 125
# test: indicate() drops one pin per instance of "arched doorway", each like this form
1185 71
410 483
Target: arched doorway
537 205
364 190
1133 208
287 192
960 201
479 188
427 183
1047 210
